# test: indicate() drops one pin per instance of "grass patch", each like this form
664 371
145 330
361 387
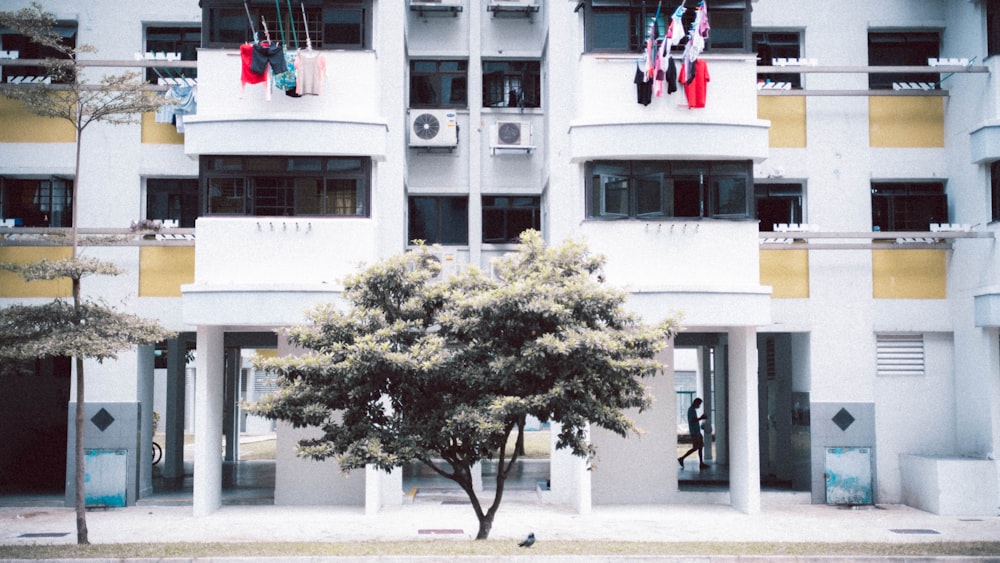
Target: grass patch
493 548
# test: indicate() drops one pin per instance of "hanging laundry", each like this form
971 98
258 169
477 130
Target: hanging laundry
695 89
671 76
643 87
286 80
675 30
310 67
184 102
267 54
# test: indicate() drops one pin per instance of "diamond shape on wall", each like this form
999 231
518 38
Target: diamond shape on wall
102 420
843 419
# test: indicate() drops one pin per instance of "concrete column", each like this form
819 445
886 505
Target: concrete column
231 395
707 378
569 475
208 420
173 421
144 389
744 446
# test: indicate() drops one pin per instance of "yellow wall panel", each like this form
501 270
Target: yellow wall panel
909 274
18 125
14 286
786 271
163 269
788 120
159 133
906 121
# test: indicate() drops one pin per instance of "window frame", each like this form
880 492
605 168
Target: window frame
243 181
528 78
890 201
768 192
906 52
27 49
995 190
634 17
187 47
40 216
438 80
666 189
504 206
433 229
318 13
770 44
179 199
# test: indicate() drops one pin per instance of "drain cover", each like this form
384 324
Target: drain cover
44 535
440 531
914 531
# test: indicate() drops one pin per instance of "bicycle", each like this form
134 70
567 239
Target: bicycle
157 453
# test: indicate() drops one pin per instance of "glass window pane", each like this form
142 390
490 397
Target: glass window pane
615 196
650 195
730 197
610 31
454 220
494 226
686 197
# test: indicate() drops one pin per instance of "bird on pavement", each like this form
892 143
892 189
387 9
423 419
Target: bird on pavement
528 541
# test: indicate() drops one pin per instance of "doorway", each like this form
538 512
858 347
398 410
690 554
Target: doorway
700 371
783 406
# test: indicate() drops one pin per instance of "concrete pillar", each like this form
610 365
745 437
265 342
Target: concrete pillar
707 384
173 421
208 420
744 446
144 390
231 394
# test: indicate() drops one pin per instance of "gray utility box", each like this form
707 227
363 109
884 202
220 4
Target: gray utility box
849 476
105 478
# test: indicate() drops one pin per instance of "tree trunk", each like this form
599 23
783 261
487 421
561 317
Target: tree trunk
519 443
79 473
485 525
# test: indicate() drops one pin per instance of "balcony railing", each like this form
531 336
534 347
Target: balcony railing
40 236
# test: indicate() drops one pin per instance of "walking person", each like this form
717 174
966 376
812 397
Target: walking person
697 442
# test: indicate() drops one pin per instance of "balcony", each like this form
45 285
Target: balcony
344 119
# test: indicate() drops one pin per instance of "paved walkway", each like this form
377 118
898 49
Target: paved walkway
516 517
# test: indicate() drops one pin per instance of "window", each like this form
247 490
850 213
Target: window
332 24
908 206
439 219
286 186
175 199
26 49
34 202
901 48
512 84
439 84
777 203
995 189
770 45
506 217
622 25
670 189
182 40
992 28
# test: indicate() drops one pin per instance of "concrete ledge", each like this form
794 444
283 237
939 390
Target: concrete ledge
949 485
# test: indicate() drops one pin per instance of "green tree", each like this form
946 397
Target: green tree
444 372
87 329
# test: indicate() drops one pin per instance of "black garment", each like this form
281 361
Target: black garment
671 76
268 53
643 87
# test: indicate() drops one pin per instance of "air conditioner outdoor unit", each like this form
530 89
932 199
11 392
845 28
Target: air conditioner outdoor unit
433 128
511 135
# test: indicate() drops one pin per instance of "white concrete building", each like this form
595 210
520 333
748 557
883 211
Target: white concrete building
823 220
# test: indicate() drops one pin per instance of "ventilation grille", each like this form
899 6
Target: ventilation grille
900 354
